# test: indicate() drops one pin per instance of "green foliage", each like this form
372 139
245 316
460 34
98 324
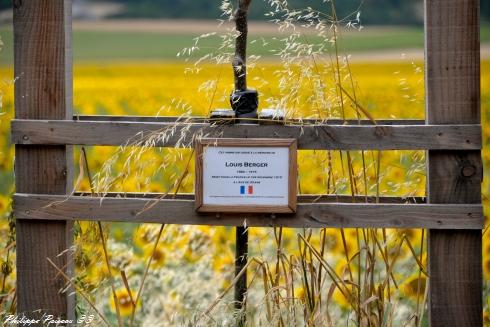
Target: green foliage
5 4
485 10
373 11
378 12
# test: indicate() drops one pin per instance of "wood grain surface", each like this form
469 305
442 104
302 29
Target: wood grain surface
311 214
43 90
453 97
321 136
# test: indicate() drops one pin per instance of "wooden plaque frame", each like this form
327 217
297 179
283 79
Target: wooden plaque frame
200 144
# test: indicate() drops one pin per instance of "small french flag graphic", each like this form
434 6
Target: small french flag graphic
248 190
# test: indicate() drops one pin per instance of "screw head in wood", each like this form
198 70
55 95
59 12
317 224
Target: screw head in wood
468 171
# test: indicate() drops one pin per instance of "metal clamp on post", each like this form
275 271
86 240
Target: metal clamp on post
245 104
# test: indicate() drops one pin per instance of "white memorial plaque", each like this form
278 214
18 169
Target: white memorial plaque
246 175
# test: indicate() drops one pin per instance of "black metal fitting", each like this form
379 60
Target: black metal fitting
245 103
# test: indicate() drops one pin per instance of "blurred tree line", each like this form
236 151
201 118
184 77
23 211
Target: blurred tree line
375 12
372 11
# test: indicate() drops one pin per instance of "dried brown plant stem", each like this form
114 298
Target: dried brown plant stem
336 279
103 243
151 203
359 273
140 290
417 310
419 261
350 167
142 284
357 105
227 289
111 279
79 290
266 292
378 172
5 275
213 96
278 237
128 289
184 175
385 247
358 114
364 174
323 241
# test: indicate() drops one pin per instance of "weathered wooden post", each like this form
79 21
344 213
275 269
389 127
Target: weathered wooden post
43 90
453 97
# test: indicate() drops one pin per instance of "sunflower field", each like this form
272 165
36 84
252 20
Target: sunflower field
190 266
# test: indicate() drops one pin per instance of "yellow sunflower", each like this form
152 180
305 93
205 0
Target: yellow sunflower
333 240
124 300
413 286
223 261
145 234
340 298
486 267
486 256
157 255
299 293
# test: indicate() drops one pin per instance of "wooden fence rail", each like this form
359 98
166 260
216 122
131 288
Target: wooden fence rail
313 137
308 214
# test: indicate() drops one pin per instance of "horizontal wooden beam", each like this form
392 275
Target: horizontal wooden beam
179 134
200 119
303 198
314 215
